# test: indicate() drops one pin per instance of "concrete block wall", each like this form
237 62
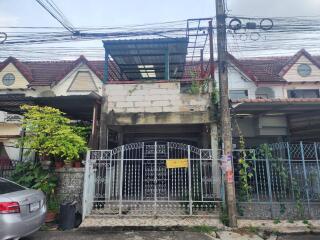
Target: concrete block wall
153 97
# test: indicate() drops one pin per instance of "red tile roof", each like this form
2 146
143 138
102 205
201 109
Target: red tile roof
265 69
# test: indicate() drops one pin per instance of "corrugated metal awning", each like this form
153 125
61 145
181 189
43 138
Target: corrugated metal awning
141 59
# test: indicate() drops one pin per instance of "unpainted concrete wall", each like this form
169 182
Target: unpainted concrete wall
153 97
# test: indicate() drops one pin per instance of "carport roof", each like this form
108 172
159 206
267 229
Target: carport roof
77 107
136 57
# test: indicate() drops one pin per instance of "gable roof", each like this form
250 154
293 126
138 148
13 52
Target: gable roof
22 68
295 58
259 69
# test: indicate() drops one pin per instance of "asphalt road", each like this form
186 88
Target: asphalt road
300 237
139 235
125 235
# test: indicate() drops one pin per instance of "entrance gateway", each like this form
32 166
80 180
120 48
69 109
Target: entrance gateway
152 179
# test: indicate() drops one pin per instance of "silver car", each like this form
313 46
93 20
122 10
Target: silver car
22 210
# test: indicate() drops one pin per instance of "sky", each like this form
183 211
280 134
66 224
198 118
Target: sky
84 13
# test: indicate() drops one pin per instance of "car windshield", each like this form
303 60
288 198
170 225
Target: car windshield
8 187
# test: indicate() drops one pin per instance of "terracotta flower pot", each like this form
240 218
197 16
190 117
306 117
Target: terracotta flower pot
58 164
77 164
50 217
68 164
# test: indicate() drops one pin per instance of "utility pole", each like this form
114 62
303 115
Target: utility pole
225 120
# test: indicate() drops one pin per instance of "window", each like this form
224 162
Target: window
8 79
304 70
303 93
8 187
264 93
238 94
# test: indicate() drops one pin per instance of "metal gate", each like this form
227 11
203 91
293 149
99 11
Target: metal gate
153 178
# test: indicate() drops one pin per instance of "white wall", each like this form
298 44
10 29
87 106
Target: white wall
238 81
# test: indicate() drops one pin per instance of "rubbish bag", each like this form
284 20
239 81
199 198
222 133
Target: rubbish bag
67 216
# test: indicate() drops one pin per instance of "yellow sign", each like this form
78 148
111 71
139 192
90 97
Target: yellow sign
177 163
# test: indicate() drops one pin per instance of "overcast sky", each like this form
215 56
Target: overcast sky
124 12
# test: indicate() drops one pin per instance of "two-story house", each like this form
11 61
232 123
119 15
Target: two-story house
148 96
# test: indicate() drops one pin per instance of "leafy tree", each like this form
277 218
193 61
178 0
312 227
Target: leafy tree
50 134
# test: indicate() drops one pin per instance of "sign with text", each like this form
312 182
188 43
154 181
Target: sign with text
177 163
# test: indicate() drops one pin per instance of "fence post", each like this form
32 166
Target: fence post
142 173
290 169
168 170
318 167
255 173
190 181
305 176
85 200
155 177
121 179
269 185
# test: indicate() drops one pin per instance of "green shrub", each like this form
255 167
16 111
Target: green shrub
50 134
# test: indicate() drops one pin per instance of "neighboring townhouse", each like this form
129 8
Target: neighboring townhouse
148 97
279 98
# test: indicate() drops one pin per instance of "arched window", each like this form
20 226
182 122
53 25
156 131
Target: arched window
264 92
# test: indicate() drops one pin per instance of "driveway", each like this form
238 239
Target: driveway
140 235
125 235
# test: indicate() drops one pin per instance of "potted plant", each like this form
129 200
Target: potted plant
52 210
51 135
77 164
58 164
40 179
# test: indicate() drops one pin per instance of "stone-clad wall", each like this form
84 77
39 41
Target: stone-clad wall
153 97
70 185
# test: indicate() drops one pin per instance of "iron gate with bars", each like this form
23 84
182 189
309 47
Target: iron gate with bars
134 180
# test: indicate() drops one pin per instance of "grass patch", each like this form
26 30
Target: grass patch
204 229
276 221
305 221
290 221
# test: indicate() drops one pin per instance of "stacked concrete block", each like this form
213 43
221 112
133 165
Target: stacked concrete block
153 97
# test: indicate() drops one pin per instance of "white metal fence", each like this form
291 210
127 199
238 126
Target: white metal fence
279 180
157 178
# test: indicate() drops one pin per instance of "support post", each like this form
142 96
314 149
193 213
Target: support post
93 138
226 131
215 159
211 50
201 64
167 64
103 136
22 135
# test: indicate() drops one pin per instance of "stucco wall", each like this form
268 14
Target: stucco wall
153 97
61 89
292 75
238 81
20 81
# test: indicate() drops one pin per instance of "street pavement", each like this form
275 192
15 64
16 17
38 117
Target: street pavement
141 235
118 235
